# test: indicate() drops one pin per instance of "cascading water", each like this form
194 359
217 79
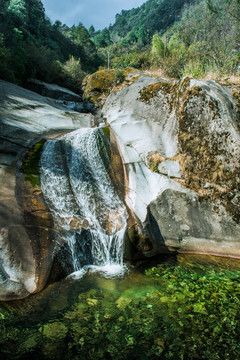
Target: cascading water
88 213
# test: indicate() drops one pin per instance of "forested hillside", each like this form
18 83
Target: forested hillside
176 37
179 37
30 46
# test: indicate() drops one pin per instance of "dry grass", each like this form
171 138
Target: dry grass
232 80
157 72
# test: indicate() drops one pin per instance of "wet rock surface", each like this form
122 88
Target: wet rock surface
26 232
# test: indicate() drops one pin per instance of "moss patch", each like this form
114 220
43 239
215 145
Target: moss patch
150 91
99 85
202 151
106 130
154 160
104 148
236 95
30 164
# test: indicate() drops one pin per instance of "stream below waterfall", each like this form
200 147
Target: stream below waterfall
89 216
184 307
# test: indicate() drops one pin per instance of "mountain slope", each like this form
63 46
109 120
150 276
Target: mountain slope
153 15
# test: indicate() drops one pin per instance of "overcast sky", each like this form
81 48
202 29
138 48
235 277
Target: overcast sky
99 13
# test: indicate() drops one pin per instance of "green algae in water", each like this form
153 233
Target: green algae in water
177 309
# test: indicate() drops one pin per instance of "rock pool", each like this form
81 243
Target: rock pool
184 307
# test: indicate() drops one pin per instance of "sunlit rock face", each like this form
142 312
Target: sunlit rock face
27 242
180 143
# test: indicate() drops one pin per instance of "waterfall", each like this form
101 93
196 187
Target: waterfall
88 214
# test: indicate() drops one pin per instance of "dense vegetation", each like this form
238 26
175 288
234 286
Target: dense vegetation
178 37
30 46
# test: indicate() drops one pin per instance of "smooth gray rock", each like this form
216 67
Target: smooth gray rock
34 113
53 91
188 225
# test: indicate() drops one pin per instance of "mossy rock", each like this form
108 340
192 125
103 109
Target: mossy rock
30 164
154 160
54 331
103 143
205 167
106 131
141 242
98 85
152 90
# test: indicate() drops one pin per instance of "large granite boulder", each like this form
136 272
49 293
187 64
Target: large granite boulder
180 144
26 228
52 91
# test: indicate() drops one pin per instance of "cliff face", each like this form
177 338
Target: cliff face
180 143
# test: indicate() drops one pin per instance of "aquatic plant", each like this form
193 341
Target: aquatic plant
174 310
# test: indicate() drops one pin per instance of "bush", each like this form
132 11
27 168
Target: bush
118 77
73 74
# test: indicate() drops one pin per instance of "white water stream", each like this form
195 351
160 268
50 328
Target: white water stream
88 213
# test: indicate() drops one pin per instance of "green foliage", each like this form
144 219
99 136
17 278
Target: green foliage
154 167
176 46
102 38
203 39
151 17
5 58
133 59
35 48
54 331
158 47
18 11
91 31
73 74
42 64
118 77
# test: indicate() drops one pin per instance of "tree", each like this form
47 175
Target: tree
91 31
74 74
176 46
3 6
17 9
5 58
102 39
158 47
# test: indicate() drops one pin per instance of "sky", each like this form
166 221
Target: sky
99 13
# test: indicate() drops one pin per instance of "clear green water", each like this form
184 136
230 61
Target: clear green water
178 308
